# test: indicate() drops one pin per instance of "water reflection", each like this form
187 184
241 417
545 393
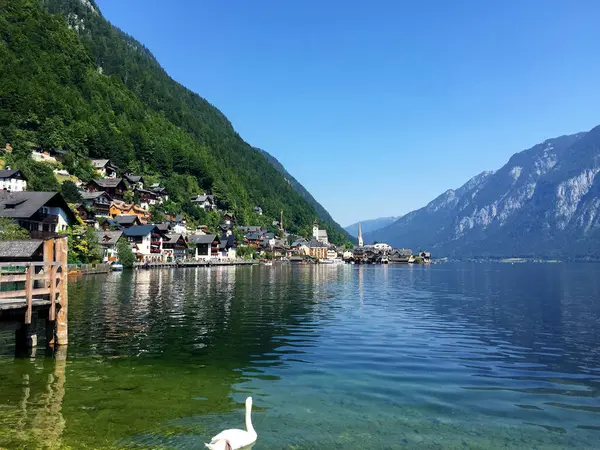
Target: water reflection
33 407
341 356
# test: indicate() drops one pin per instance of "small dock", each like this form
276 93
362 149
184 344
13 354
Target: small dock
34 290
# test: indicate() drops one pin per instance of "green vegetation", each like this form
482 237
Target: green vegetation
10 231
70 192
125 254
84 247
102 94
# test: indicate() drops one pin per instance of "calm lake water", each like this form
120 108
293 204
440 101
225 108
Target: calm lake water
353 357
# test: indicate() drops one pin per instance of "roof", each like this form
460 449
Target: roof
134 178
85 195
11 173
172 238
202 198
201 238
108 182
109 237
316 244
253 236
251 228
163 226
226 243
124 219
23 205
19 249
99 163
139 230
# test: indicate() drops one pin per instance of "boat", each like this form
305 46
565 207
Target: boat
326 261
266 262
116 266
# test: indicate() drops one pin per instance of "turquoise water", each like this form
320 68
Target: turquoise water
353 357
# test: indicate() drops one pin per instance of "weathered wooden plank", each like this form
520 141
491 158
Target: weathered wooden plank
52 312
23 293
27 264
28 294
62 335
16 278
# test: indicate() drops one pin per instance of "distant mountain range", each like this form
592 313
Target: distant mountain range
545 202
370 225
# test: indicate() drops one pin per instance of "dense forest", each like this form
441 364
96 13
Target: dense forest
69 80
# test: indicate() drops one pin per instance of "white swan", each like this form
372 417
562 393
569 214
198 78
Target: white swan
234 439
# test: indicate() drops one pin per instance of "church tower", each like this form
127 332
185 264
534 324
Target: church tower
360 239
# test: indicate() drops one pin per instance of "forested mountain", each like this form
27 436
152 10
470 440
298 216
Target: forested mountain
545 202
370 225
72 81
321 211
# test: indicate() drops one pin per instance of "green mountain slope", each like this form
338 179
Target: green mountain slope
71 80
337 232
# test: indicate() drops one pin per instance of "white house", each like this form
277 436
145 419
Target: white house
204 201
205 245
320 235
43 214
12 180
146 242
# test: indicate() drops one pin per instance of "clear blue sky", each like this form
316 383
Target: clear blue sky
378 107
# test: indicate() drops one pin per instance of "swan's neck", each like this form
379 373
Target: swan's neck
249 427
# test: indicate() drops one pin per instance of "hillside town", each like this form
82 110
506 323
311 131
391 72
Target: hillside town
117 205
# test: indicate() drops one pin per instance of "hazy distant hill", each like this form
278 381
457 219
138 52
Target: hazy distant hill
545 202
370 225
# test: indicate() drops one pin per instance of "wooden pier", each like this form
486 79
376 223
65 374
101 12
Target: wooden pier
32 290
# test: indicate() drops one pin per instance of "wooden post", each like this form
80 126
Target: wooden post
28 293
62 335
52 311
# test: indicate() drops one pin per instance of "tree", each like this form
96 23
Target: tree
128 196
124 253
70 192
84 246
10 231
156 215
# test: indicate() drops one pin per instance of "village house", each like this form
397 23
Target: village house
31 250
108 241
204 201
121 208
43 214
134 181
115 187
253 240
127 220
179 224
175 247
12 180
147 198
99 202
204 246
146 242
227 247
317 249
161 192
104 167
300 248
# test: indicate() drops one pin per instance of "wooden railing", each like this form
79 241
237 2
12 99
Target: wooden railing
27 286
50 274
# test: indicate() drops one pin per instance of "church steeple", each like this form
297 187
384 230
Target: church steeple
360 239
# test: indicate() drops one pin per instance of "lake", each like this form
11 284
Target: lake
351 357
